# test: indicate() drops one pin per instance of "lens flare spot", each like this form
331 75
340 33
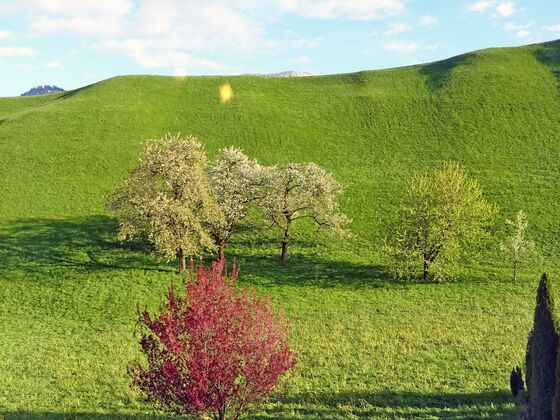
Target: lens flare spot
226 93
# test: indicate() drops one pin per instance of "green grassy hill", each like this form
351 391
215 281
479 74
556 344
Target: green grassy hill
369 346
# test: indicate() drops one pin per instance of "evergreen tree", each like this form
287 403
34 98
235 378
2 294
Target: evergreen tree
542 354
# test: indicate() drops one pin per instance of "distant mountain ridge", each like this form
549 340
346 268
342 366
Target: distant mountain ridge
288 73
42 90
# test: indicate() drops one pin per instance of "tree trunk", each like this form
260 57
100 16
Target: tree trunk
285 241
426 271
182 261
222 413
221 251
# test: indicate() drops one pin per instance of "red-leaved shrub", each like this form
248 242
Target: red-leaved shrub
215 350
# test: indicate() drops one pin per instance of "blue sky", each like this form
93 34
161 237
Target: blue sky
72 43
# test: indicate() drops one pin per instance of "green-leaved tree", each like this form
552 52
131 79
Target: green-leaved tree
518 248
443 215
167 199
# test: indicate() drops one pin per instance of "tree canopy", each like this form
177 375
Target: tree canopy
302 191
236 182
167 199
443 215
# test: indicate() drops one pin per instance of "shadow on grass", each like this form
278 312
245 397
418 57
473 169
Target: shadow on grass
549 54
438 73
43 246
301 270
387 404
70 93
487 404
39 246
52 246
17 415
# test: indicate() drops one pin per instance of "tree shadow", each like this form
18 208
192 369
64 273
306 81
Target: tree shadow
70 93
384 404
548 53
309 270
38 246
49 246
487 404
56 246
438 72
16 415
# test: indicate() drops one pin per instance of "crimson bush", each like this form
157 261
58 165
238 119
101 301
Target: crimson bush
213 351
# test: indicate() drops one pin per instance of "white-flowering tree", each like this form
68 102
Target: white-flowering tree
443 215
236 181
302 191
518 248
168 200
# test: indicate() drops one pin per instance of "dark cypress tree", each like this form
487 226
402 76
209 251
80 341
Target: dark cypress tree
542 355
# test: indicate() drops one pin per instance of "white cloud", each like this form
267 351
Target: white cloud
198 26
347 9
481 6
522 34
54 64
407 47
180 34
499 9
307 43
155 33
75 25
513 26
71 7
5 34
301 60
212 24
149 55
398 28
521 30
17 52
159 17
555 29
428 20
506 8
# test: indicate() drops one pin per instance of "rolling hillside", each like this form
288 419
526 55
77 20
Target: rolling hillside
370 346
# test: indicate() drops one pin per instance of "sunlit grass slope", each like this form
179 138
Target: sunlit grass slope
369 346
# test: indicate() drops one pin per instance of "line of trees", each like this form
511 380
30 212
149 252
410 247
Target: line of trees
185 205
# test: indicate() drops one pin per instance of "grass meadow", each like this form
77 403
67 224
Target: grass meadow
369 346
